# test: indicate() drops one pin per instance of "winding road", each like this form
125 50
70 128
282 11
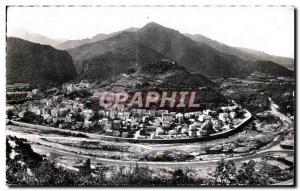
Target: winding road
161 164
191 164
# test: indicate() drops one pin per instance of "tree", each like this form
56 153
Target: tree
8 150
179 177
86 169
249 176
9 114
246 173
225 173
45 174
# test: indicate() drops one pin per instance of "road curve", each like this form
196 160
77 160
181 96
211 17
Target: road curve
159 164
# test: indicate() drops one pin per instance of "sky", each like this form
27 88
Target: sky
268 29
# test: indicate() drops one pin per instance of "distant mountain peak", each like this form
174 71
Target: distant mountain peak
153 25
201 58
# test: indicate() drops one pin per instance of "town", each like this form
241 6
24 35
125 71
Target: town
138 123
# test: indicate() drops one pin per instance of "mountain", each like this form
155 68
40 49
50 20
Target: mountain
121 45
36 38
103 59
73 43
168 42
116 55
33 63
169 73
200 57
166 76
243 53
101 36
122 54
195 57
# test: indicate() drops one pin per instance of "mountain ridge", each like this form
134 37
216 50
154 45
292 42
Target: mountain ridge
243 53
101 36
195 57
240 52
37 64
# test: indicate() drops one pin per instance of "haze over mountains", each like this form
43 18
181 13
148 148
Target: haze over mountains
133 50
37 38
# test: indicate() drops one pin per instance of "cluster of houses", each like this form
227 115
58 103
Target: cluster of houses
51 110
18 91
138 123
189 125
74 114
71 87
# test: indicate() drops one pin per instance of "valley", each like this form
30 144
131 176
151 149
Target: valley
152 100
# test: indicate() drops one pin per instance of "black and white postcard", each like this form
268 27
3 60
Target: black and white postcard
162 95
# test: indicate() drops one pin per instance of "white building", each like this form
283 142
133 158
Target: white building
179 116
166 117
223 116
202 117
232 114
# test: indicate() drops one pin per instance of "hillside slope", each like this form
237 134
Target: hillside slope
266 67
34 63
101 36
123 54
243 53
199 58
